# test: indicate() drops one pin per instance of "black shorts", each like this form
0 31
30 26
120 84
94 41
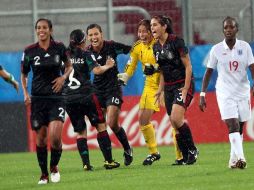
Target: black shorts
114 97
85 106
45 110
172 96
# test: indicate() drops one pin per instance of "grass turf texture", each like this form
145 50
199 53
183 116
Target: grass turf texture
211 172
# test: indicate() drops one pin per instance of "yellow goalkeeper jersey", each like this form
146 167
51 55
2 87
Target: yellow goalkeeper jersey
143 53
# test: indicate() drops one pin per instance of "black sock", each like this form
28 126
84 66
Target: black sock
105 145
241 127
186 136
42 156
182 146
83 150
55 157
122 137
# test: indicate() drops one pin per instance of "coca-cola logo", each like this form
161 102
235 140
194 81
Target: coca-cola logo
129 121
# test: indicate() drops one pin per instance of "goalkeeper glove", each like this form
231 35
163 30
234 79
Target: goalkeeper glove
123 78
150 69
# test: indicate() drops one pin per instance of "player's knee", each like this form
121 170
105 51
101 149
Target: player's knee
56 143
176 123
233 125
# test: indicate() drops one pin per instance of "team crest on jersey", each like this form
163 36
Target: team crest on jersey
57 58
157 56
240 52
170 55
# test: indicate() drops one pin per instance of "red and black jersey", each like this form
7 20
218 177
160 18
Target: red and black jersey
168 57
108 80
46 66
78 82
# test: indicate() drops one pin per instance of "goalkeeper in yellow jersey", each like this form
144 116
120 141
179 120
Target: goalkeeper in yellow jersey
143 51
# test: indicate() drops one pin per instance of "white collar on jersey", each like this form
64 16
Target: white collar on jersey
226 46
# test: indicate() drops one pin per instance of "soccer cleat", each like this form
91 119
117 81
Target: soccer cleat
179 162
151 158
241 164
232 164
192 156
128 157
54 174
44 179
111 165
88 167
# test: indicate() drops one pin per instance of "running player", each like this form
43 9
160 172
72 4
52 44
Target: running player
107 86
232 58
47 107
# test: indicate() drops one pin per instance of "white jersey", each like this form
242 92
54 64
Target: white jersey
232 66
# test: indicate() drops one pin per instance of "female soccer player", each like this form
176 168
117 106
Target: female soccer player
143 51
47 107
232 58
176 80
81 100
107 87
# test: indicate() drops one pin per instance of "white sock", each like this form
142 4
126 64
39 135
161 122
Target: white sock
236 144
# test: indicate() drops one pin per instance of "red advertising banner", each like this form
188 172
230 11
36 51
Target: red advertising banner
206 127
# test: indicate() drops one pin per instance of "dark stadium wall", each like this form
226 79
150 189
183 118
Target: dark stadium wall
13 128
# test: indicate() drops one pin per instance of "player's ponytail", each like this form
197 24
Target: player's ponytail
77 37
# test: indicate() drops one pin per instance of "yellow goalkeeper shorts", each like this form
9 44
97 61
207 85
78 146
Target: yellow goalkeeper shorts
147 100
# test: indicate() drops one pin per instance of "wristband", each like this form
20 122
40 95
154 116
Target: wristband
10 79
202 94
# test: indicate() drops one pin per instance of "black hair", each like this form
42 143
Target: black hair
165 20
49 24
232 19
145 23
77 37
93 26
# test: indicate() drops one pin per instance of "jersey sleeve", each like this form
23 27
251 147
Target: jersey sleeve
212 61
1 68
181 47
250 57
132 62
121 48
91 61
25 63
64 52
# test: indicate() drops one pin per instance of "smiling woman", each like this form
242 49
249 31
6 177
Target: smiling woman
47 108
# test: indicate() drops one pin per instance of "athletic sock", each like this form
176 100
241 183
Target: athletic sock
55 156
105 145
149 136
237 145
182 146
122 137
83 150
42 156
178 152
186 135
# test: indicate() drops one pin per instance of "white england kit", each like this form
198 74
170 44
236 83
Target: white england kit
232 85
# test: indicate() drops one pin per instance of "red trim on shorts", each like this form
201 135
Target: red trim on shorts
98 107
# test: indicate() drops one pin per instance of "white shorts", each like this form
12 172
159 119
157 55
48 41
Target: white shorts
230 108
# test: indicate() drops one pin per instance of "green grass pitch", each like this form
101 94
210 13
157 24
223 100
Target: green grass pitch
211 172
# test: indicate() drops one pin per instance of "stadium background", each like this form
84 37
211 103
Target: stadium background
199 22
